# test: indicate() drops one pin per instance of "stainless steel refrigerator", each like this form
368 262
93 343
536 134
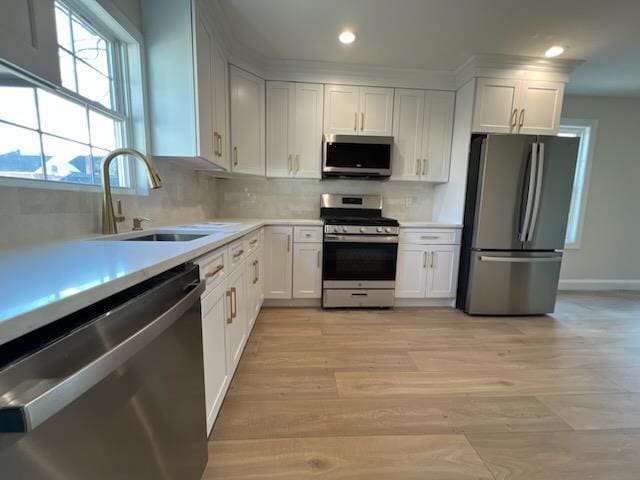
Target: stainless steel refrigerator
517 204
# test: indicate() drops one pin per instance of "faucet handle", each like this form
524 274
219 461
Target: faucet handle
119 217
137 223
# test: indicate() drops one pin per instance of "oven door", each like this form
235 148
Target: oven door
359 261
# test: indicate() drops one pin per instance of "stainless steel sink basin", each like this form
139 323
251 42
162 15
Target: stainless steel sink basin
165 237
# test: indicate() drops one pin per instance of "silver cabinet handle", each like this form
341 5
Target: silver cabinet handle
424 259
527 208
255 272
220 141
235 156
230 298
433 259
48 396
234 311
355 121
521 123
514 117
289 243
488 258
318 259
418 166
362 121
290 162
536 201
429 237
425 166
297 162
215 143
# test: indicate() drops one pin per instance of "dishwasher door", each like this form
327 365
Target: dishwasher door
120 396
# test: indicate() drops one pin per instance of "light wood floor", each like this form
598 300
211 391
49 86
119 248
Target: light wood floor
434 394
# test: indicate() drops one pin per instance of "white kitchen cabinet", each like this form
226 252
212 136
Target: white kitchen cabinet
351 110
28 38
443 271
194 122
517 106
254 288
236 323
422 130
294 129
247 122
215 311
307 270
411 271
278 254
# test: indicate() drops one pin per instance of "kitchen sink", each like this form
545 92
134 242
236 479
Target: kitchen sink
165 237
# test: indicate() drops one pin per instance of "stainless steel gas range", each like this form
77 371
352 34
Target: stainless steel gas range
360 252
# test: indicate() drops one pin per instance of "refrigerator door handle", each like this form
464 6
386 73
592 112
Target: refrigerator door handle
527 211
488 258
536 202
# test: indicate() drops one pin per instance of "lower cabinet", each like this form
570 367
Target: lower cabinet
254 287
427 271
307 270
278 253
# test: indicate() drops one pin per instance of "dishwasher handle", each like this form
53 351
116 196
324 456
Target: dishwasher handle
34 401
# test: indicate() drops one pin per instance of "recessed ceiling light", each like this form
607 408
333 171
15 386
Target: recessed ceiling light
554 51
347 37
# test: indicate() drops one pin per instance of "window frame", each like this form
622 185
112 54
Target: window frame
129 95
581 125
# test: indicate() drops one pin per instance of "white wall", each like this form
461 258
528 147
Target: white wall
609 244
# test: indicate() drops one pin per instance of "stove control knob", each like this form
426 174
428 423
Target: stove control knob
345 229
388 230
362 229
379 229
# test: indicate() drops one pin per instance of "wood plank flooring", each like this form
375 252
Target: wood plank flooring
434 394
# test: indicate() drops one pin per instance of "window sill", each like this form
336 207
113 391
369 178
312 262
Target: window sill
65 186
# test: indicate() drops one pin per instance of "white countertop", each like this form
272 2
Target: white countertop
41 284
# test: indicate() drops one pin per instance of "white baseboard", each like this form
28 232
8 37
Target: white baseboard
423 302
293 302
598 284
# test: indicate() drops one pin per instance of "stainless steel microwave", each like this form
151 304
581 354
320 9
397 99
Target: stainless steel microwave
356 156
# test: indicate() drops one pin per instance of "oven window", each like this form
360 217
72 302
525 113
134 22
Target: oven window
358 155
360 261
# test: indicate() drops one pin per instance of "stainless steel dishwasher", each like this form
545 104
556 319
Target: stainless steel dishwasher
114 391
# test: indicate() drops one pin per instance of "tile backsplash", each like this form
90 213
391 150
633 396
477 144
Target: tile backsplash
38 215
298 198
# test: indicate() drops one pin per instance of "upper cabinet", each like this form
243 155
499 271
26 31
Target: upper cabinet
294 129
28 37
422 130
188 82
350 110
517 106
247 122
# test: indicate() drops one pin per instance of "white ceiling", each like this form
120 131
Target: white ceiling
442 34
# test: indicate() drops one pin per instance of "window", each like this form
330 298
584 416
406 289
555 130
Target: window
585 130
64 135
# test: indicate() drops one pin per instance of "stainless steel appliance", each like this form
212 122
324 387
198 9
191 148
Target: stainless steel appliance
360 252
115 390
357 156
518 197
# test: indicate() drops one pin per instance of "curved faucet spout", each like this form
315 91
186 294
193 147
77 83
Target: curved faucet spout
108 217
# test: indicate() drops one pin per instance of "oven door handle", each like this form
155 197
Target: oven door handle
360 238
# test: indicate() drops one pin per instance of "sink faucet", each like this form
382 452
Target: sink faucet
108 216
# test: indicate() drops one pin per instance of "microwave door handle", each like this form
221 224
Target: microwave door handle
527 209
536 201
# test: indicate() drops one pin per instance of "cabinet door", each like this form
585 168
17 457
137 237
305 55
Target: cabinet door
215 311
307 270
496 105
443 271
280 131
540 107
437 132
341 109
28 37
205 90
376 111
236 328
408 117
278 262
308 130
261 264
221 107
247 122
411 273
253 289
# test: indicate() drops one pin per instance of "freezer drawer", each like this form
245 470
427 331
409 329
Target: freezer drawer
512 283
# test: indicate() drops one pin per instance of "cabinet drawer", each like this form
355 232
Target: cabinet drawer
213 267
432 236
237 253
252 241
307 234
